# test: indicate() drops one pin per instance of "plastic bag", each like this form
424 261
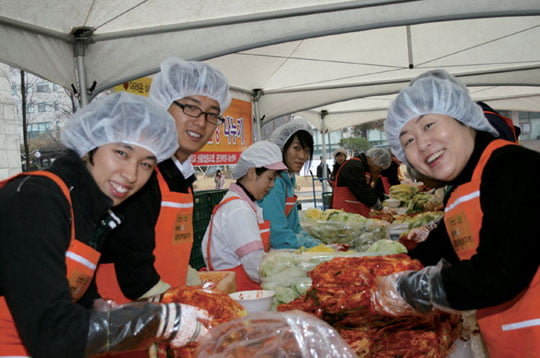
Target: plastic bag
275 334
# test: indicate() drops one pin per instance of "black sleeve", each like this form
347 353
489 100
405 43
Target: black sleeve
392 173
353 176
507 256
379 189
132 244
34 237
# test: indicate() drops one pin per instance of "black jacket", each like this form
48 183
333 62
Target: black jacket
507 256
34 237
320 171
131 246
353 176
390 173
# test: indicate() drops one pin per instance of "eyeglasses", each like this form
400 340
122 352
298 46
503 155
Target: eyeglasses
195 112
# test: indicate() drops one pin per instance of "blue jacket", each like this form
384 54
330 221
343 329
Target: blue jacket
285 231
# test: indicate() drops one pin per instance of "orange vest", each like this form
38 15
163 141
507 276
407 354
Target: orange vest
344 199
290 203
511 329
243 282
81 261
173 240
386 184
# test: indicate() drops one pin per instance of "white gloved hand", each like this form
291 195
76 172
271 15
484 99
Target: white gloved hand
183 324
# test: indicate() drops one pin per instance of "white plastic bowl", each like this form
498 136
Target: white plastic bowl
392 203
255 300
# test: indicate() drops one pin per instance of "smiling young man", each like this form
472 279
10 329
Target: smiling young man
156 242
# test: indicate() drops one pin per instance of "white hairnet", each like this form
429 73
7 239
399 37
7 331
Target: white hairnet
380 156
281 134
340 150
122 118
263 154
432 92
179 79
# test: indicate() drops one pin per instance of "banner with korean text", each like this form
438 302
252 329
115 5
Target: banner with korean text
139 86
230 138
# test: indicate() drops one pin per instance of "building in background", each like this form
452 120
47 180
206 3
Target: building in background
10 162
48 106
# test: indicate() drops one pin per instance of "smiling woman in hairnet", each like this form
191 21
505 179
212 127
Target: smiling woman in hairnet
483 255
237 235
296 143
53 227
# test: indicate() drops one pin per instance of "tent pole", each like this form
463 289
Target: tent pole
409 47
81 75
257 93
324 113
82 36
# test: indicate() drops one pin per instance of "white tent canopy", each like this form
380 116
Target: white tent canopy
306 55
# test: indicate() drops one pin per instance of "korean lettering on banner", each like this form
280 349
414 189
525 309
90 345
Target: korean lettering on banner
230 138
140 86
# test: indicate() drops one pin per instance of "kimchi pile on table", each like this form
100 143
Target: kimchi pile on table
341 295
219 305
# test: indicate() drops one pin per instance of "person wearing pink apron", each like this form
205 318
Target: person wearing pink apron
54 228
296 143
483 256
237 235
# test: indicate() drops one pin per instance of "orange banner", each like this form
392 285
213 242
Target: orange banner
230 138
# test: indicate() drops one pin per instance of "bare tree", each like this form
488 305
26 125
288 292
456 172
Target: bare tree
43 105
23 112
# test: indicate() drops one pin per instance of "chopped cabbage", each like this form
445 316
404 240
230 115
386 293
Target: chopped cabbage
337 226
388 247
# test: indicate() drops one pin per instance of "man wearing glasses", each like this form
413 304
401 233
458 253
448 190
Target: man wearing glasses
159 220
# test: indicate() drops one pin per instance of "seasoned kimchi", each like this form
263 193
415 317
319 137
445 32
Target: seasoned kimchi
341 295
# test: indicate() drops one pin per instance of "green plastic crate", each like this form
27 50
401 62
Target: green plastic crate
204 203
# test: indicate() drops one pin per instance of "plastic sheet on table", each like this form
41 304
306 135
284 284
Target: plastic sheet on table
275 334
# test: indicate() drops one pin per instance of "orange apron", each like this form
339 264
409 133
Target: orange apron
512 327
173 240
81 261
243 282
290 203
386 184
344 199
